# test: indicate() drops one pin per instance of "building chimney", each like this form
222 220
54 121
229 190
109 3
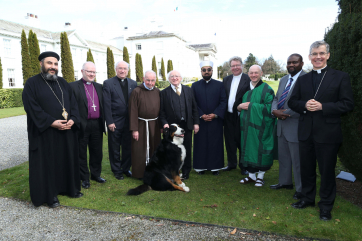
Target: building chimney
67 25
33 20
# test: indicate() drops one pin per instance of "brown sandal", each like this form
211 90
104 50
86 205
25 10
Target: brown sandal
259 182
246 180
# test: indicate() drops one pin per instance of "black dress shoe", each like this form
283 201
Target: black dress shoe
244 172
85 184
201 172
325 215
302 204
227 169
98 179
119 176
216 173
78 195
297 195
55 203
280 186
128 173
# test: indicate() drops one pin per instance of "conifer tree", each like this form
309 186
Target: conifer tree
66 58
126 59
110 64
1 74
34 52
91 59
163 70
168 66
344 39
139 73
25 58
171 64
141 67
154 68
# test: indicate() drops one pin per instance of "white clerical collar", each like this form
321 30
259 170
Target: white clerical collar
207 81
237 76
88 83
147 87
320 70
295 76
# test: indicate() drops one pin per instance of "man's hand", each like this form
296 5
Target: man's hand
196 128
243 106
112 127
69 124
208 117
204 117
60 124
313 105
135 135
166 126
280 114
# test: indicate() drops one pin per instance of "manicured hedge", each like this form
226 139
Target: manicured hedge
163 84
10 98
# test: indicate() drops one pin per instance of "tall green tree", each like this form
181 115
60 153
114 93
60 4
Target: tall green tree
126 59
1 74
110 64
154 68
163 70
169 66
91 59
138 68
25 58
141 67
34 52
345 43
250 61
66 58
270 66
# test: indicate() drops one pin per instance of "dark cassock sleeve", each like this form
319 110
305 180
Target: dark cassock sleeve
41 119
221 108
194 90
295 102
107 102
133 110
195 112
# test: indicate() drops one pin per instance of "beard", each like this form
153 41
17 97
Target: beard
206 77
47 76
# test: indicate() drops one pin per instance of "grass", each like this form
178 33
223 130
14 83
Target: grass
274 85
9 112
213 199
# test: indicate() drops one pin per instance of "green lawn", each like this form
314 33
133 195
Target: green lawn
9 112
273 84
212 199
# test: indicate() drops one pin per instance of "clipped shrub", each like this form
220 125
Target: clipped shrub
163 84
11 98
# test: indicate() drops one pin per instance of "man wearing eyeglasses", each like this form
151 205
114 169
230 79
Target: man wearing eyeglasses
320 97
90 104
116 92
211 102
236 85
178 106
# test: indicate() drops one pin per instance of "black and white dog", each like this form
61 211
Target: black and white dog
162 172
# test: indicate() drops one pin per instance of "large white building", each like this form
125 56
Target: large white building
10 51
169 46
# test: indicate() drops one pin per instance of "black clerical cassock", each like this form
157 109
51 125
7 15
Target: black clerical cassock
53 153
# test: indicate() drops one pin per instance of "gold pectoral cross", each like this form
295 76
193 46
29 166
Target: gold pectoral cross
65 114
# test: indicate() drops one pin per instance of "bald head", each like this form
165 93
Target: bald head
89 71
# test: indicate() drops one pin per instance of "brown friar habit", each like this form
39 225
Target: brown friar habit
145 104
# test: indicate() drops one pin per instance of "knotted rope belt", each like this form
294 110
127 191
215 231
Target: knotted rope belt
148 138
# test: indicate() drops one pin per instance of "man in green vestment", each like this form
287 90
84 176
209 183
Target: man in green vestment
257 124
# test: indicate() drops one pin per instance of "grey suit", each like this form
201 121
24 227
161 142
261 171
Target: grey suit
287 132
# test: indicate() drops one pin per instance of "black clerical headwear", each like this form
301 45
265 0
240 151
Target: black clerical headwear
48 54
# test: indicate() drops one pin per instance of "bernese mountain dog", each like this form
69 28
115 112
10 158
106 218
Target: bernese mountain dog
162 172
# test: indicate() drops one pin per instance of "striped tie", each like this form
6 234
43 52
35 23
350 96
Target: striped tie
284 95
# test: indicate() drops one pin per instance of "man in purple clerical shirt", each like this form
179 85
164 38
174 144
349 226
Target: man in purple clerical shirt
90 103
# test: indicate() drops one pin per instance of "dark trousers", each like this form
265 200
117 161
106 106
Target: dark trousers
186 168
232 133
120 137
93 138
326 156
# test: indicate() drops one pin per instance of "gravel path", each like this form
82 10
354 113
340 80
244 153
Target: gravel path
20 220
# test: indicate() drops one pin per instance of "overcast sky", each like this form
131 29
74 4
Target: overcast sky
261 27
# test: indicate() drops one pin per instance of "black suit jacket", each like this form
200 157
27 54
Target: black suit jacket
243 87
80 95
167 111
115 107
335 95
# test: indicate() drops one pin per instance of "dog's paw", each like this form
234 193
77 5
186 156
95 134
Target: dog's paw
182 185
186 189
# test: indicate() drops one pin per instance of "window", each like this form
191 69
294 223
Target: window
138 47
159 69
74 53
76 75
7 47
43 48
11 77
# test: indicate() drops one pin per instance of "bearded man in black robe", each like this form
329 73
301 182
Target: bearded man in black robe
53 121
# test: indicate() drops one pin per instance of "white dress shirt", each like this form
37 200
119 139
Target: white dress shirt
233 89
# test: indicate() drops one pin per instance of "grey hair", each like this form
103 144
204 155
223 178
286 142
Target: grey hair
235 58
317 44
150 71
256 65
88 62
169 73
115 66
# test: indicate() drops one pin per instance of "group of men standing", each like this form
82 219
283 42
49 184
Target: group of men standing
66 119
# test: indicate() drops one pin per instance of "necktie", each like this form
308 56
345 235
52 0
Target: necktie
177 91
284 95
